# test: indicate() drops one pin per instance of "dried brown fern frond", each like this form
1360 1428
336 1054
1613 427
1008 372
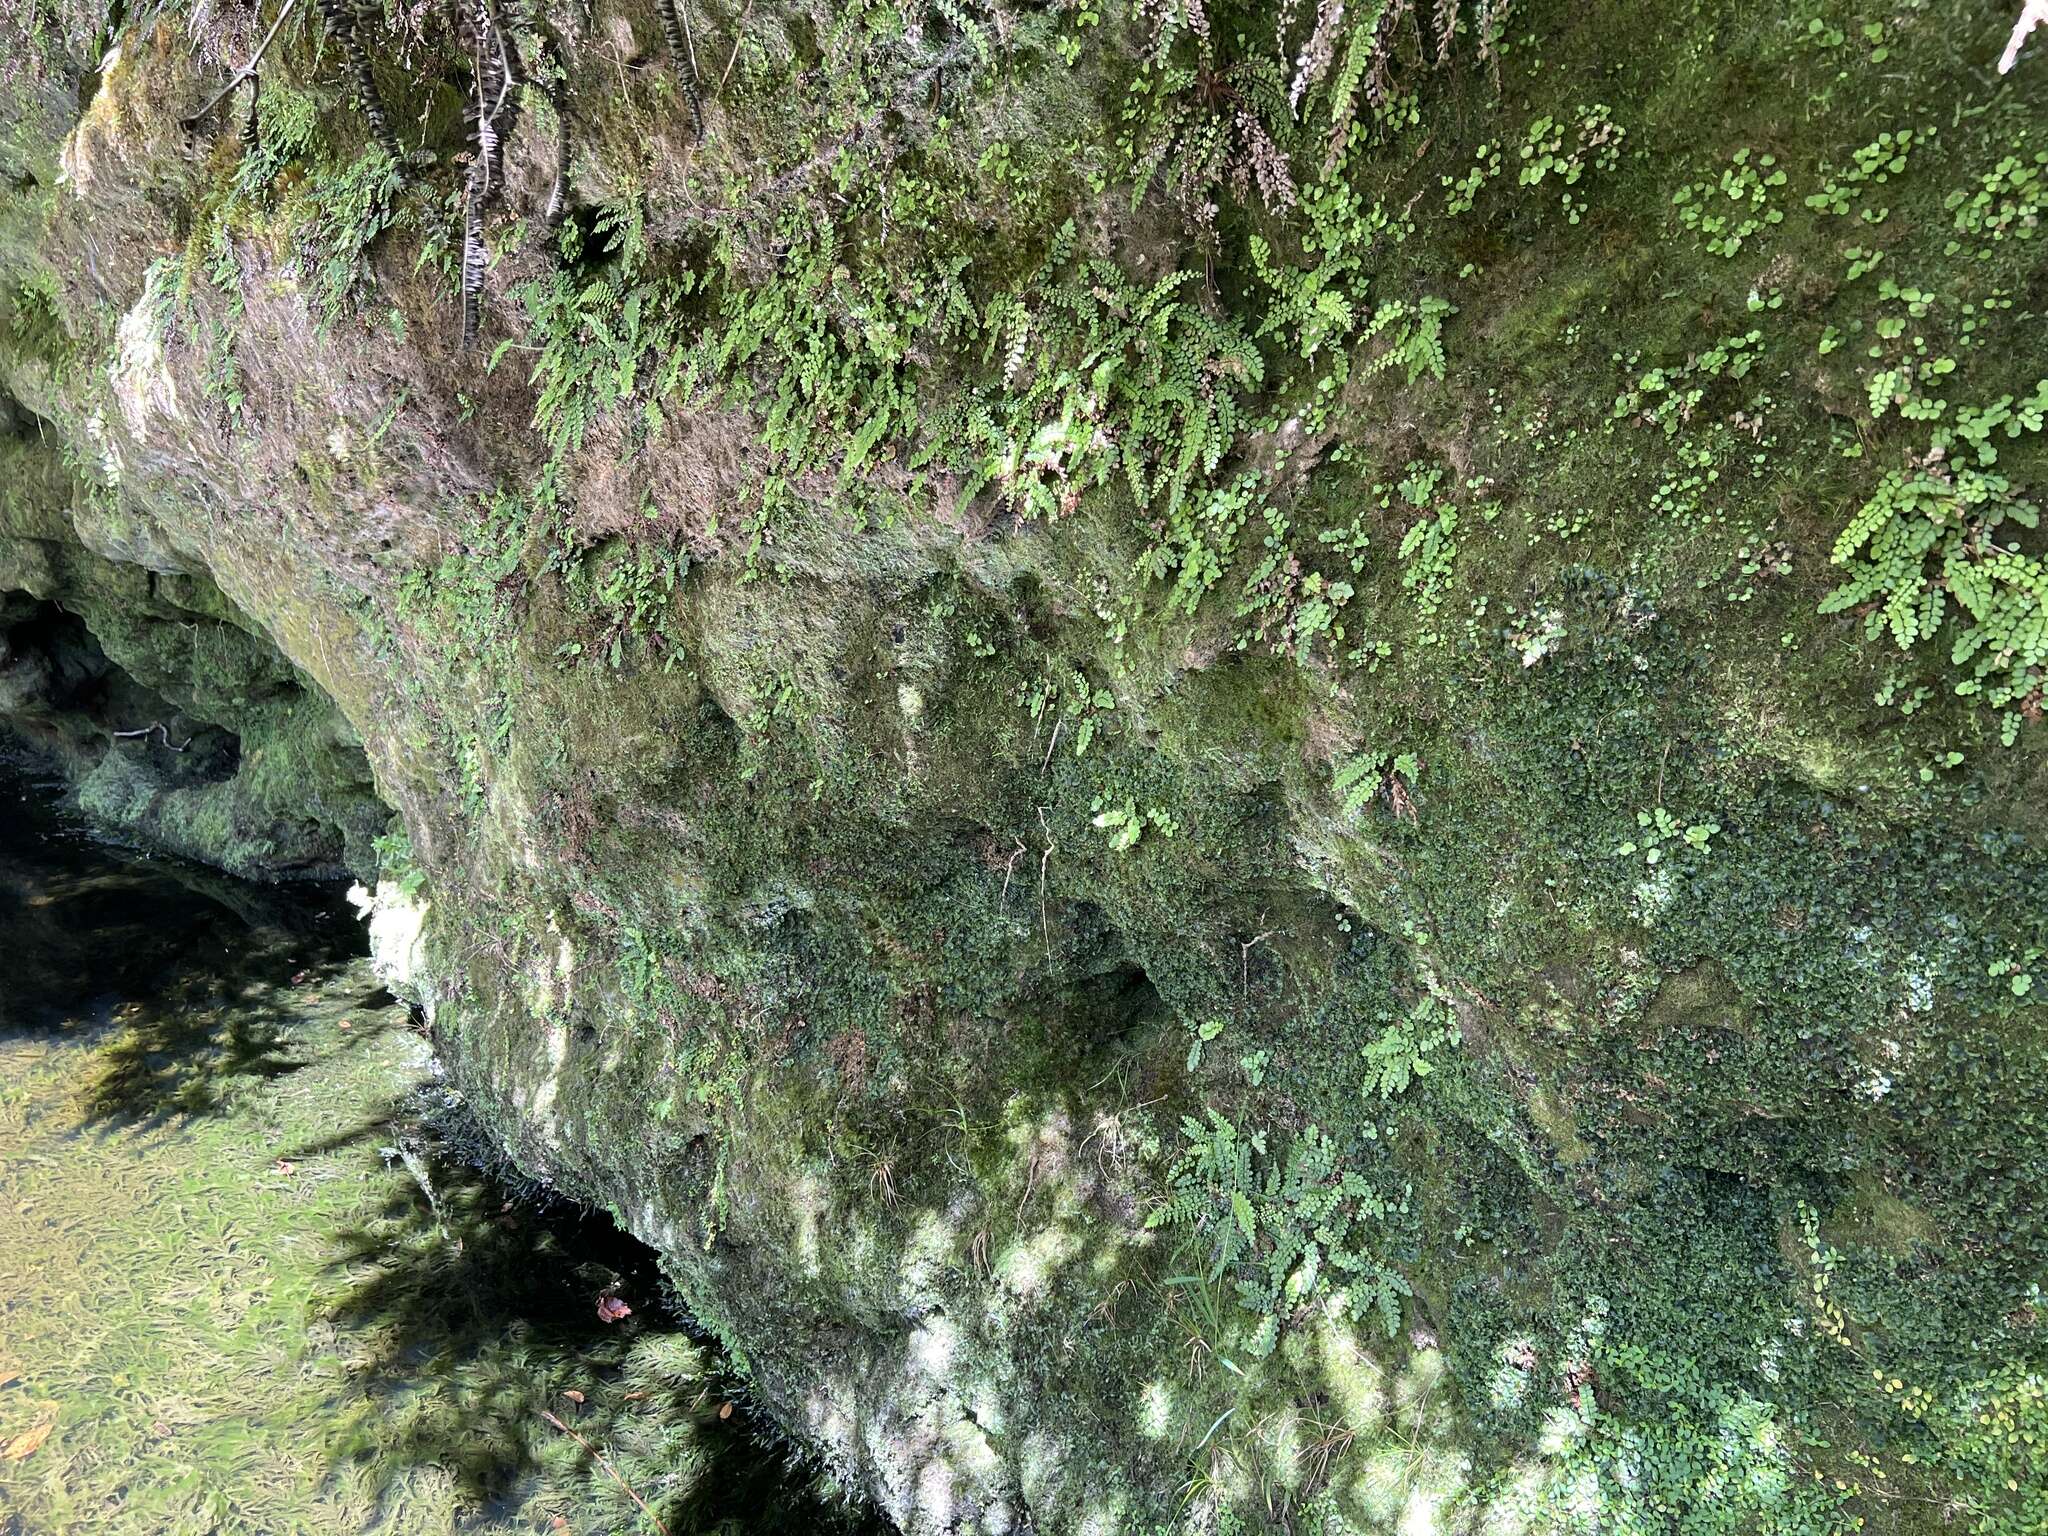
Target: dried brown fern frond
494 108
1366 34
1317 52
558 185
1169 18
1488 28
475 258
1212 129
342 18
1215 123
1260 161
1350 53
252 136
675 26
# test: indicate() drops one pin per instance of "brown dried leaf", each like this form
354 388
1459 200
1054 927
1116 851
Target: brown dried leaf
1404 806
28 1442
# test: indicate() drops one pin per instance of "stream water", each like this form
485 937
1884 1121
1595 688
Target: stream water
252 1277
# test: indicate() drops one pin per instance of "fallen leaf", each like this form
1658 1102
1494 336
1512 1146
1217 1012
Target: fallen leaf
610 1309
725 1410
28 1442
574 1396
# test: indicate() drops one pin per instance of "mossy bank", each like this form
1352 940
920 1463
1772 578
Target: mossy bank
1248 768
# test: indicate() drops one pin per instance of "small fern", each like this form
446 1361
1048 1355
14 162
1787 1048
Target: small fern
1100 376
1414 335
1400 1053
1929 534
1284 1231
1360 781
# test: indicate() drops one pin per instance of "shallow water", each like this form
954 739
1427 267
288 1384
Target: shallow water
250 1277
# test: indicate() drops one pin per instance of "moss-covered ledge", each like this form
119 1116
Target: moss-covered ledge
1243 781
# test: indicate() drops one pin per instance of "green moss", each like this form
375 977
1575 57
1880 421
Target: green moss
861 520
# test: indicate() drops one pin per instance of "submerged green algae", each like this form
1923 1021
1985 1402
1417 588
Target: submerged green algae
249 1283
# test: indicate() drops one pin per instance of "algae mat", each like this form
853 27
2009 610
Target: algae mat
164 1276
241 1313
251 1280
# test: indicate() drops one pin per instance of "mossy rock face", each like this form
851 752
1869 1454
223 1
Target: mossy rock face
176 722
1242 782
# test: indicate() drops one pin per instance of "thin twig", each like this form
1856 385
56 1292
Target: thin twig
1044 923
1062 720
565 1429
1029 1185
1244 956
689 38
739 33
248 69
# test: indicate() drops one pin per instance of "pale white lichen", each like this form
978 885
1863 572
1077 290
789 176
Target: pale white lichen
398 942
143 387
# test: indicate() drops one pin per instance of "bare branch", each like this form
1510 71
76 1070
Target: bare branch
248 70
